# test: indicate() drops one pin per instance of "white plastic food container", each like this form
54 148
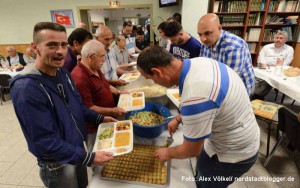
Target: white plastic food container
173 95
132 101
130 77
121 140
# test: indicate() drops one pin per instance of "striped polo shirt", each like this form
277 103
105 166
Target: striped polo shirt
215 106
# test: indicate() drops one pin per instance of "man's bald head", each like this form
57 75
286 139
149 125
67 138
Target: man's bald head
209 29
104 35
210 18
82 25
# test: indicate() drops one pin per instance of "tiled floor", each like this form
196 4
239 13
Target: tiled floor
18 168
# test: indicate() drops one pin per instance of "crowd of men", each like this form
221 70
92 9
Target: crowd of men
71 88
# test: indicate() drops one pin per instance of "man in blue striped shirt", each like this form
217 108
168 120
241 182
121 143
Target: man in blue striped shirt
226 48
219 124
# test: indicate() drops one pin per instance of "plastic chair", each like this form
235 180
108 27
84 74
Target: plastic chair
4 85
289 125
267 112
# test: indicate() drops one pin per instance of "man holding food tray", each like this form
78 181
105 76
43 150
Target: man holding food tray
219 125
51 113
96 93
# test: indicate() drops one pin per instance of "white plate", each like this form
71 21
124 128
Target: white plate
116 150
128 101
135 55
130 77
171 93
133 63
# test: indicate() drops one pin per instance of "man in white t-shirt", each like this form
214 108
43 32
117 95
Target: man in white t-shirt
219 126
268 57
130 38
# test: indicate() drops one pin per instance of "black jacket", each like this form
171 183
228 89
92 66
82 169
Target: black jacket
21 59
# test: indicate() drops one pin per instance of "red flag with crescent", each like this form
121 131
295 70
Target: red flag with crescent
62 19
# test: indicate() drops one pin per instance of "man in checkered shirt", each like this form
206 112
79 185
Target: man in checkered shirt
226 48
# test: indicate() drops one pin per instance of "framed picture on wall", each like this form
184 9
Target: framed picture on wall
63 17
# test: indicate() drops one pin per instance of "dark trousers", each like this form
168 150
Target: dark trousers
55 175
211 173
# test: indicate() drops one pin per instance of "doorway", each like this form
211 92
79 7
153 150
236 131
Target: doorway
114 17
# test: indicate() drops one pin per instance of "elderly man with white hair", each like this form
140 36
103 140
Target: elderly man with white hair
268 57
14 57
109 69
97 94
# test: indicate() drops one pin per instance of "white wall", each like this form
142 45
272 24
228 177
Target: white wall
192 11
18 17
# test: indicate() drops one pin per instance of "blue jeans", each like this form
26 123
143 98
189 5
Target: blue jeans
56 175
211 173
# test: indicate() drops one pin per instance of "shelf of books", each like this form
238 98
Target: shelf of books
257 21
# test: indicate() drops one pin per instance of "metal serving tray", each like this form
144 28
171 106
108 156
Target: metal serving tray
139 167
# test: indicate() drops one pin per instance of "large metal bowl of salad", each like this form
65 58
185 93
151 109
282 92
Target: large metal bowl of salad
151 121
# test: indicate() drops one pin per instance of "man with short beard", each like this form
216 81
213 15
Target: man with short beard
268 57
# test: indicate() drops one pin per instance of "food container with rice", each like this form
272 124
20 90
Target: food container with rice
115 137
151 121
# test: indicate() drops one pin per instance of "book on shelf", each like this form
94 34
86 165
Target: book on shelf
289 31
227 20
252 47
253 34
254 19
274 19
272 5
230 6
236 32
293 19
216 6
269 34
284 6
257 5
257 19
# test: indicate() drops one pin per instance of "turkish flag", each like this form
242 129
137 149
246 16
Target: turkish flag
62 19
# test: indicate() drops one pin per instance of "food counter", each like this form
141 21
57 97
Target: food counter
179 170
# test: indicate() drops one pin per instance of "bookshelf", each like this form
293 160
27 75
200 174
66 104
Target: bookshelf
257 21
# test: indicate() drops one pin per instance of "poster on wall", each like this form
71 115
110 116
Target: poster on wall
63 17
